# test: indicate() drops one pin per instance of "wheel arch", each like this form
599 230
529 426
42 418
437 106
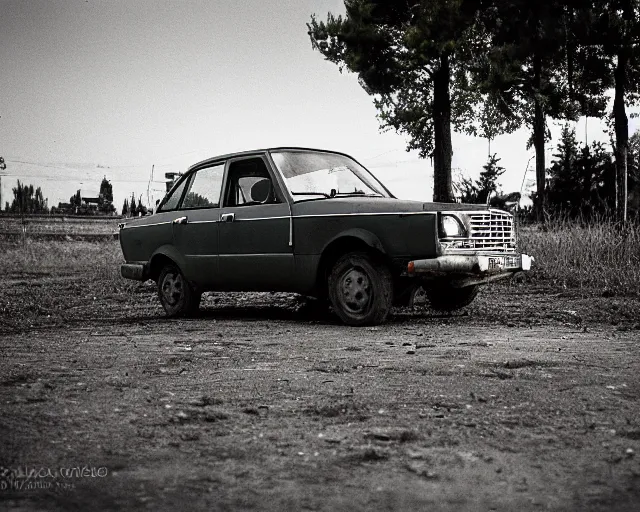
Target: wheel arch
347 241
162 256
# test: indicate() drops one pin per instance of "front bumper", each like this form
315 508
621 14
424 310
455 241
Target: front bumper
477 268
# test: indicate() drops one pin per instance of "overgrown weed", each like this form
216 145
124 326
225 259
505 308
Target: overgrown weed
599 254
97 262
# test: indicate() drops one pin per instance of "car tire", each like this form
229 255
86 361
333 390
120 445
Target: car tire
444 297
410 295
360 289
177 296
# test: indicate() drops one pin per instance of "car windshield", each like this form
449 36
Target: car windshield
317 175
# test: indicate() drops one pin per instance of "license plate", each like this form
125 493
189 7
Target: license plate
511 262
496 263
500 262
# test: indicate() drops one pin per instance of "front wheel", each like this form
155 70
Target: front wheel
444 297
360 289
177 296
410 295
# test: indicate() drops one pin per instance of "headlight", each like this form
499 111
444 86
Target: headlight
451 227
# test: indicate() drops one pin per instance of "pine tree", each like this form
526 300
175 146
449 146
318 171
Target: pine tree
141 208
106 190
487 183
478 191
634 173
564 173
414 59
105 201
75 200
27 200
580 180
125 207
538 68
617 34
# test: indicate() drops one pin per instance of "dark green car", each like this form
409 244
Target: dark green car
315 223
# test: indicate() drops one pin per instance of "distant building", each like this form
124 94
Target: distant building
91 203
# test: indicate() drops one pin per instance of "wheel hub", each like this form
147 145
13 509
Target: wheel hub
172 288
355 290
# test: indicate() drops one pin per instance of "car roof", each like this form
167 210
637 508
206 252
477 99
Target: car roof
211 160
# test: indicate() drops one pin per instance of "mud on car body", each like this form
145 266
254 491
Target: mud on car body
315 223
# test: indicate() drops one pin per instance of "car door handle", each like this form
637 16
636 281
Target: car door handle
227 217
181 220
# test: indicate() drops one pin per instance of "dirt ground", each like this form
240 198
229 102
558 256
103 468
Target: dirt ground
527 400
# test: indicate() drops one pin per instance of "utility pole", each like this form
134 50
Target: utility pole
3 166
149 186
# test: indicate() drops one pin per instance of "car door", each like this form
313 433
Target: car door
195 229
146 235
254 230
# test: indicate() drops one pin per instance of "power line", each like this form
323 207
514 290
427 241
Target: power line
39 165
124 166
382 154
78 178
392 164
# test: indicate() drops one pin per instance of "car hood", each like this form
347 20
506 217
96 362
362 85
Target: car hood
372 205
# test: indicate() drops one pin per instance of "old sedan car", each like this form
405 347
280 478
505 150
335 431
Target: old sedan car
315 223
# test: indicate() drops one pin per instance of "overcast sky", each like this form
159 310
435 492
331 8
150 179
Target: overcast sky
93 88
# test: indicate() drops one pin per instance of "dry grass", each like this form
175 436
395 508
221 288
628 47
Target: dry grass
52 282
42 257
598 255
58 225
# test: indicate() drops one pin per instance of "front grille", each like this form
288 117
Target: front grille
492 230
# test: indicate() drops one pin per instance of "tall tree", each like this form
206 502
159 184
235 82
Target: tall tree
534 69
106 190
27 200
413 58
105 197
579 183
617 35
634 172
75 200
141 208
125 207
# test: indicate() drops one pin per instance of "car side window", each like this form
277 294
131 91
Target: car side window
249 183
172 201
205 187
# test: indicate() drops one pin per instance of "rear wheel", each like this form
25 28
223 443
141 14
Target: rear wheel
360 289
445 297
177 296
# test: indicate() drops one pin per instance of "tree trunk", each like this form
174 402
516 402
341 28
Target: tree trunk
622 136
442 190
538 141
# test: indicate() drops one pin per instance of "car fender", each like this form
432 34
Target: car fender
168 251
363 235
